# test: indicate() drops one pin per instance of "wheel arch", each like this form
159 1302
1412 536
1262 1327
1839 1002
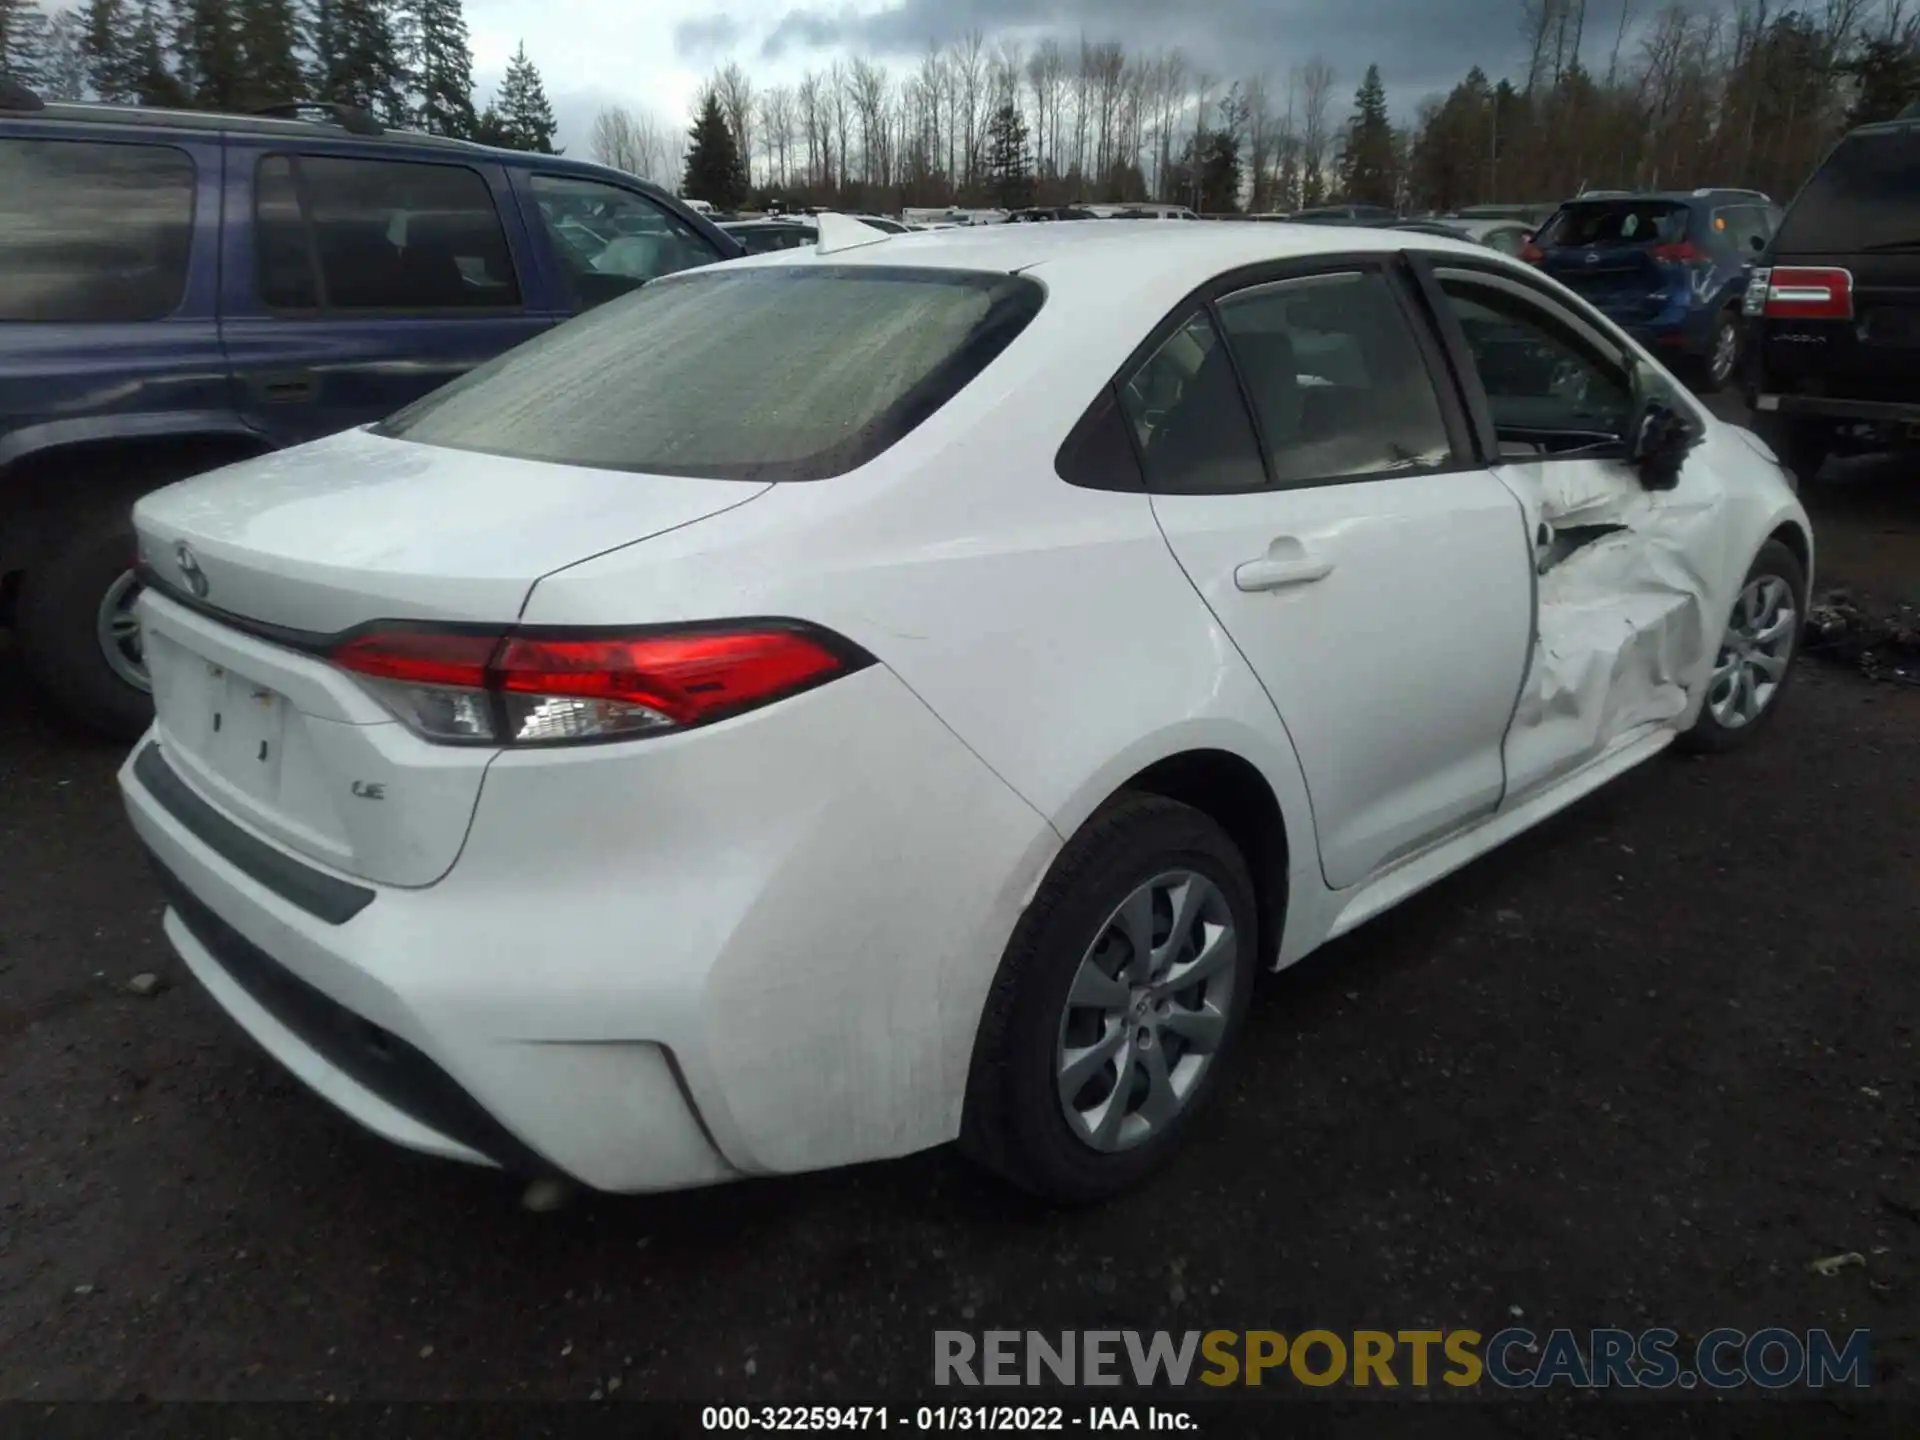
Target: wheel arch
1795 537
1231 790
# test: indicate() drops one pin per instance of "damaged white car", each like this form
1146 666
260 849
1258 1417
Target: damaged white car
838 702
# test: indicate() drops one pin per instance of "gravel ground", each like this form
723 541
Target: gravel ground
1639 1070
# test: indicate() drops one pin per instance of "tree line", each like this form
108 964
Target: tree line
407 62
1683 94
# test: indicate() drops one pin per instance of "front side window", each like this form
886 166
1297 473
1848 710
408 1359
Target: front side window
1547 384
762 373
92 231
1188 418
612 240
1336 378
387 235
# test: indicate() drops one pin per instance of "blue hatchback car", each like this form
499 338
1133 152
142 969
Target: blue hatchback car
1669 268
179 290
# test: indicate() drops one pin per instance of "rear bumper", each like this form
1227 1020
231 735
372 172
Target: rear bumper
654 966
1863 412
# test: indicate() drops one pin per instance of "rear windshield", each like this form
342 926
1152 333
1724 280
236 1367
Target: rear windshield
1617 222
759 373
1866 197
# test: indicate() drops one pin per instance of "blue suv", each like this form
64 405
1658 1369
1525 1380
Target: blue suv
1669 268
180 290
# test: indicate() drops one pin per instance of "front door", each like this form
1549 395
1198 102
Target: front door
1620 622
1374 576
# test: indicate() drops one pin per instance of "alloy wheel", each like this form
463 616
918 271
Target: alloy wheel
1726 349
1755 652
117 628
1147 1011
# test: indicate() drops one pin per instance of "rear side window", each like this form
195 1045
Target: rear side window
764 373
1189 420
93 232
1865 197
1336 377
337 234
1617 222
1744 227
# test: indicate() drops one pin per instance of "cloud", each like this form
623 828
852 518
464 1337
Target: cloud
1420 45
705 36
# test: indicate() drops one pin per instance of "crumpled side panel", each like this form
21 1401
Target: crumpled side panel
1626 623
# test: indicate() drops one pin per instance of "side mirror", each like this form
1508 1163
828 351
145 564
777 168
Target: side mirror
1659 442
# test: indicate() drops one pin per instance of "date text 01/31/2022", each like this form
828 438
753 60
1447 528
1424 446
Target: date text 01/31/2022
979 1419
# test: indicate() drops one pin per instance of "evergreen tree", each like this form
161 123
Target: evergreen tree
1367 168
488 129
23 41
111 74
523 118
439 64
714 172
1009 165
355 59
145 56
63 63
269 40
206 37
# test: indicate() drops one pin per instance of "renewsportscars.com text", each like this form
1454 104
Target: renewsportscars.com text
1514 1358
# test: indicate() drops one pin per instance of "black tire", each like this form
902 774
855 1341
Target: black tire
1014 1123
1708 735
56 624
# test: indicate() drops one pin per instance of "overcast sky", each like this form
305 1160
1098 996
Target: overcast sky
652 53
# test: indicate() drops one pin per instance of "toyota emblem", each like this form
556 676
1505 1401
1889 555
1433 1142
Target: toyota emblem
190 570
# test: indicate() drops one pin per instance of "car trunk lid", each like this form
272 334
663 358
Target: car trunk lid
260 567
1610 252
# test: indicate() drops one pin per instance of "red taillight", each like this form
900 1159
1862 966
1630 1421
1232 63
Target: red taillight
542 688
1809 292
1684 251
1532 253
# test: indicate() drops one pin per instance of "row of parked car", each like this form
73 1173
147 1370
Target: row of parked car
180 290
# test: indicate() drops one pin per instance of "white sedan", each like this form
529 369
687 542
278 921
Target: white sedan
837 702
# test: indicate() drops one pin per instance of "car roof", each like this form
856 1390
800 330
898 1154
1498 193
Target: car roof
1121 254
293 130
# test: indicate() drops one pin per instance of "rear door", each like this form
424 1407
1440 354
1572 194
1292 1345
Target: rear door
107 284
354 284
1860 213
1374 576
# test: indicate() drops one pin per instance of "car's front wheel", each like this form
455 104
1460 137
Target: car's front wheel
1114 1008
1756 653
78 631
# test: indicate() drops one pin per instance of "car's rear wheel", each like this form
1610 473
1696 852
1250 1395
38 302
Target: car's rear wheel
1755 659
1114 1008
1723 352
77 630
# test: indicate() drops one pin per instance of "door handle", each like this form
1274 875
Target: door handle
287 388
1275 573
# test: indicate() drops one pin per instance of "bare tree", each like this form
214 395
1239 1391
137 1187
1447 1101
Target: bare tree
775 127
639 143
735 92
969 62
868 86
813 124
1316 89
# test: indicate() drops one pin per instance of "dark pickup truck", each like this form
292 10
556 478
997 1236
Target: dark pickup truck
179 290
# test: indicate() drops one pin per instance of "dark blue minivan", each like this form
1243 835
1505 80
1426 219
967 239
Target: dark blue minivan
179 290
1669 268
